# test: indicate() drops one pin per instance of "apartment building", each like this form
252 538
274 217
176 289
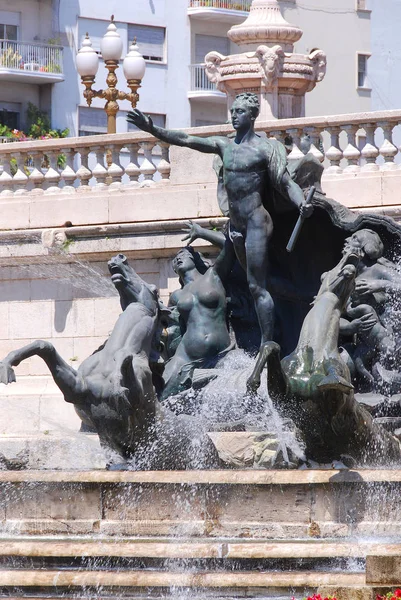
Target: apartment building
39 40
31 58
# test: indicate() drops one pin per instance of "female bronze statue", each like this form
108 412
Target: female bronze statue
201 308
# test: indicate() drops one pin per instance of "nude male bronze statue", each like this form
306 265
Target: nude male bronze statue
254 169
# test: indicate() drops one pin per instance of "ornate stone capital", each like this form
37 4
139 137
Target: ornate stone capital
265 24
319 63
213 69
271 61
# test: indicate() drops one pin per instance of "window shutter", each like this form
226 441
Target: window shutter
207 43
10 18
158 120
92 120
150 40
96 30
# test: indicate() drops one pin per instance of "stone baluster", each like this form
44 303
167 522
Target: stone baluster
387 150
277 134
99 172
295 153
36 176
132 169
84 173
20 179
6 179
164 166
351 152
334 153
370 152
68 174
52 176
316 142
147 167
115 170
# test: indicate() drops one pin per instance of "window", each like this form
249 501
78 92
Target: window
151 41
363 70
10 114
360 4
9 25
207 43
92 121
159 120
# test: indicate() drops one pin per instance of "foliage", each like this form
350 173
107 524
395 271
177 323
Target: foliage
390 596
39 125
9 58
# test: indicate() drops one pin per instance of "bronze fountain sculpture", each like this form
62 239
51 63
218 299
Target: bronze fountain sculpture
316 357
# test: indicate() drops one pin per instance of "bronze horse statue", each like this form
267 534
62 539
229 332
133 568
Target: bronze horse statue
313 385
113 390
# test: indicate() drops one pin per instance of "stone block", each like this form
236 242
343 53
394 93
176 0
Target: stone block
15 213
80 209
383 570
4 320
84 347
345 504
73 319
17 290
391 183
192 528
57 415
21 414
51 289
30 320
55 451
355 190
259 504
347 593
107 311
53 501
166 503
48 527
188 166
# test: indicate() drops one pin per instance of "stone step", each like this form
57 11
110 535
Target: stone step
168 579
246 504
194 549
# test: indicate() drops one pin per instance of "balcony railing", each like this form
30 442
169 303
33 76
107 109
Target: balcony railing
353 144
199 79
31 57
243 5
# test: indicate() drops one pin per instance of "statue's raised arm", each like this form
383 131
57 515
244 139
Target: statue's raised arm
211 145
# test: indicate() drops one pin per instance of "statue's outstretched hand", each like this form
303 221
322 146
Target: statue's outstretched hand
7 374
193 232
144 122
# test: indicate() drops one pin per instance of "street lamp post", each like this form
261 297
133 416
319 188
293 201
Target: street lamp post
111 47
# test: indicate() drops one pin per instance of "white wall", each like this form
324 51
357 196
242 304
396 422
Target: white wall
164 89
385 63
339 30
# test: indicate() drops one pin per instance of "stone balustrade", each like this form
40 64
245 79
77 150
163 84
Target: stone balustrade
346 144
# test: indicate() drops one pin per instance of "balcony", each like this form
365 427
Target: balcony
227 11
28 62
202 88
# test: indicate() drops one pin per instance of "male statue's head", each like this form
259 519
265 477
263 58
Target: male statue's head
369 241
244 111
